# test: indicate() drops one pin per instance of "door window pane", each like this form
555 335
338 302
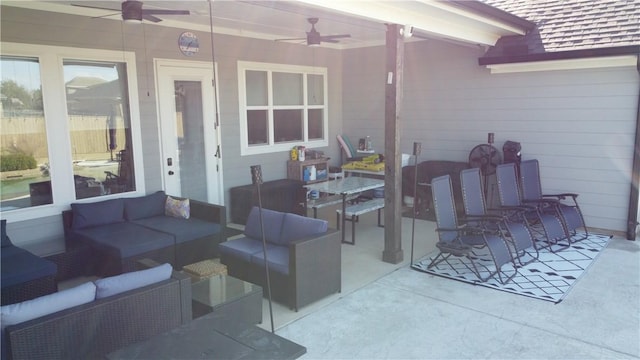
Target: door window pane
190 139
287 89
257 127
100 127
287 125
24 179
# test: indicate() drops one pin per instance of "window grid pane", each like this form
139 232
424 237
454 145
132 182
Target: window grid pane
99 126
257 127
23 140
287 125
287 89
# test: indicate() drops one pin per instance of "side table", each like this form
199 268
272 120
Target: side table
227 295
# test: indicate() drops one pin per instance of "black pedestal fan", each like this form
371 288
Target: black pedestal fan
487 158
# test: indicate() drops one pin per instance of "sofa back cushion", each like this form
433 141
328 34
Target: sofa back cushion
5 238
144 206
128 281
295 227
97 213
272 225
48 304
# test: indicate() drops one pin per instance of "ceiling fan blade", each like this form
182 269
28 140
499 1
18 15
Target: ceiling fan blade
291 39
164 12
95 7
333 37
151 18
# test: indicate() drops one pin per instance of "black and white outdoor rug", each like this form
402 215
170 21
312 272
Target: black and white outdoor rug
550 278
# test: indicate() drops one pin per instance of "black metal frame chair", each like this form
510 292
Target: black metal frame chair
566 204
517 234
459 240
548 225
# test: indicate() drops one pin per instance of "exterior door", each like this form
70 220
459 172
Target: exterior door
189 134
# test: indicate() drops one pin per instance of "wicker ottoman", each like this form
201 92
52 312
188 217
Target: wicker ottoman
204 269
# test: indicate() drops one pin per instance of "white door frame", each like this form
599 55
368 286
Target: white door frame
166 71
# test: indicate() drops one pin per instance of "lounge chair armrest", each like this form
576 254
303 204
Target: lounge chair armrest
486 217
562 196
542 201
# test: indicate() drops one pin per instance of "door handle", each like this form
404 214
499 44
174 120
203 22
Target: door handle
171 172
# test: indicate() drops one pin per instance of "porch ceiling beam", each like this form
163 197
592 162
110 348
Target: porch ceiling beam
438 19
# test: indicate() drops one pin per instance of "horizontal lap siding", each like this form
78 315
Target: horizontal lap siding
580 124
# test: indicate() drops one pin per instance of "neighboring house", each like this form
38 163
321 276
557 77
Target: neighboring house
573 105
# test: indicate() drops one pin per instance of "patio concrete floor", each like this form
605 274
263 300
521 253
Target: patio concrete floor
388 311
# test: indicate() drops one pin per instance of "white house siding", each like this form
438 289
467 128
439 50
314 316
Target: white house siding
580 124
149 42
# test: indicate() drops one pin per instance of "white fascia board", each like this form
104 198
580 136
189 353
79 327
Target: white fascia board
568 64
438 19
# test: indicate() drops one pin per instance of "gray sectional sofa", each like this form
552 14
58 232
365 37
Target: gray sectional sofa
91 320
303 255
122 231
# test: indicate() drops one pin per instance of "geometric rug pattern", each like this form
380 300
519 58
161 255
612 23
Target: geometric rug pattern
550 278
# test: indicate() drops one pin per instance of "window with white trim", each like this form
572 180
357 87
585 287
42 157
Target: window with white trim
70 128
281 106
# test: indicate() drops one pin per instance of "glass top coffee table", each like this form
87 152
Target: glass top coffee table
236 298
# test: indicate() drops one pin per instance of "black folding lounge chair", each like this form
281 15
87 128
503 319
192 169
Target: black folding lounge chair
517 234
566 203
458 240
549 226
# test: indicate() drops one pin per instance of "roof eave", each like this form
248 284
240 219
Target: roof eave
561 55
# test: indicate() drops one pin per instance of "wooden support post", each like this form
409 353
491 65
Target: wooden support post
393 176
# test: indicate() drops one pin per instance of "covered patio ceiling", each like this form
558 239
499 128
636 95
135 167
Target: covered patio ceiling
470 22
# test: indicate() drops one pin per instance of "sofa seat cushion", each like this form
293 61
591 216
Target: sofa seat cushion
182 230
20 266
241 248
144 206
296 227
272 221
277 256
123 240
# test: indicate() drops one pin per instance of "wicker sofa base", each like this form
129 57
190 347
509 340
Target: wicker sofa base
29 290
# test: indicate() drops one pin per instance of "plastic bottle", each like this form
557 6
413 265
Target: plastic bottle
369 146
312 173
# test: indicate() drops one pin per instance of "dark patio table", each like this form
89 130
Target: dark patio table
345 187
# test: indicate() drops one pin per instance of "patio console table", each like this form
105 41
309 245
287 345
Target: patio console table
346 187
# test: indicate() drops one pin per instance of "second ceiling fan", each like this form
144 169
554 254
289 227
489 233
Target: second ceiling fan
132 10
314 37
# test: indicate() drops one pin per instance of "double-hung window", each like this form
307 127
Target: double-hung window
281 106
69 123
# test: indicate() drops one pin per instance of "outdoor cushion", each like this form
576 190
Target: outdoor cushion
144 206
98 213
183 230
241 248
128 281
177 208
277 256
19 266
5 238
272 225
124 239
48 304
295 227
